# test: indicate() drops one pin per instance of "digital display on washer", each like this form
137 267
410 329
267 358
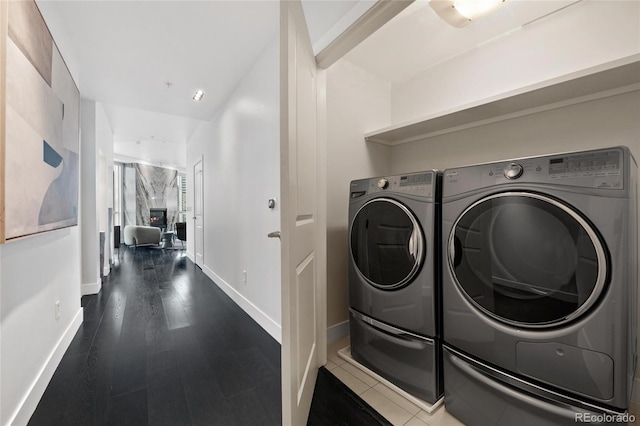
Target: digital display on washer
601 161
412 180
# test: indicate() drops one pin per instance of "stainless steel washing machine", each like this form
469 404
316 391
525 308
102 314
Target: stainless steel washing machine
540 287
394 279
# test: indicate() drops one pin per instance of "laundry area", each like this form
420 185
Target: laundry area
482 218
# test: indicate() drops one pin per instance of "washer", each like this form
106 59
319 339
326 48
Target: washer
394 279
540 287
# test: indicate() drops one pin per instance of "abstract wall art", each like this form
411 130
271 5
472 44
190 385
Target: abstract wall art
41 127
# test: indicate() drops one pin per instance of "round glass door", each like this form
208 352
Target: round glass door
387 244
527 259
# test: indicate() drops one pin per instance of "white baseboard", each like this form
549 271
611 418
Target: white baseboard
190 256
254 312
106 270
337 331
30 401
91 288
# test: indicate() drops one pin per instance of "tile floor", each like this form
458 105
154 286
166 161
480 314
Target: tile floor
392 406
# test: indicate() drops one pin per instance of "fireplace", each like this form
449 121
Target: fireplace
158 218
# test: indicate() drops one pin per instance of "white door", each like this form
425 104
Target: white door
303 285
198 218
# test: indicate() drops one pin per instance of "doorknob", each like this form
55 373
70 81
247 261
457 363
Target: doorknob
274 234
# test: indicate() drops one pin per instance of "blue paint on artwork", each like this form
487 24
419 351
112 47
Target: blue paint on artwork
60 203
51 157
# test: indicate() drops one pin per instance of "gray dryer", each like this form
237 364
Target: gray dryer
540 288
394 279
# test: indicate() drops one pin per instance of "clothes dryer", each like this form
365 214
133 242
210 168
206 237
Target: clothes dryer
394 279
540 287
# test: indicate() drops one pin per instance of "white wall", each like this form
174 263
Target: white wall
104 180
584 35
241 149
96 185
357 102
35 272
596 124
91 283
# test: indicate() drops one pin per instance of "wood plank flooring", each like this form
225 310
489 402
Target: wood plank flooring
335 404
161 344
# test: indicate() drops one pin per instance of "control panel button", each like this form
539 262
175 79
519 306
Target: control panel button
383 183
513 171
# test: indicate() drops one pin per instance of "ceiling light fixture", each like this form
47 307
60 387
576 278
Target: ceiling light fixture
461 12
198 95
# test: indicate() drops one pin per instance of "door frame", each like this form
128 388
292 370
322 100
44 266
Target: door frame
198 235
303 251
380 13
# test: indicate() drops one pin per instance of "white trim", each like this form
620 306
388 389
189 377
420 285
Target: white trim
190 256
605 80
28 404
271 327
90 288
337 331
106 270
369 22
342 25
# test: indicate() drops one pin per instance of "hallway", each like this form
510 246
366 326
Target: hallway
162 345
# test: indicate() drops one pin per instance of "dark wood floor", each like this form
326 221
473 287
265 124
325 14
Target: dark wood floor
335 404
161 344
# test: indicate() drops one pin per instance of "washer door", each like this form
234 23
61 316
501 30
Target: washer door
527 259
387 244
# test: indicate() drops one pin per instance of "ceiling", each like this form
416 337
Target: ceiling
153 55
143 60
418 39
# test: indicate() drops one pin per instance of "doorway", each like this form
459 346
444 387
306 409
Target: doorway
198 212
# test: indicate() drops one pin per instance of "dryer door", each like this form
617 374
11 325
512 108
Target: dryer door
527 259
387 243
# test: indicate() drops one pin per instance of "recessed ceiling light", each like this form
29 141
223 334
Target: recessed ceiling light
198 95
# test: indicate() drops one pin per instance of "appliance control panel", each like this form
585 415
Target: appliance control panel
600 163
592 169
420 184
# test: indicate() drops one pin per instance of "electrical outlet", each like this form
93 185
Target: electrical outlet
57 309
244 277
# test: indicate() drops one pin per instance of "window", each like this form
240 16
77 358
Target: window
182 198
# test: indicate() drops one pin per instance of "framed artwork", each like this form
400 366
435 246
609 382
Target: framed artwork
41 127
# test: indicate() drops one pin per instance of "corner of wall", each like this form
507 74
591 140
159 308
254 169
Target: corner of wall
91 288
337 331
